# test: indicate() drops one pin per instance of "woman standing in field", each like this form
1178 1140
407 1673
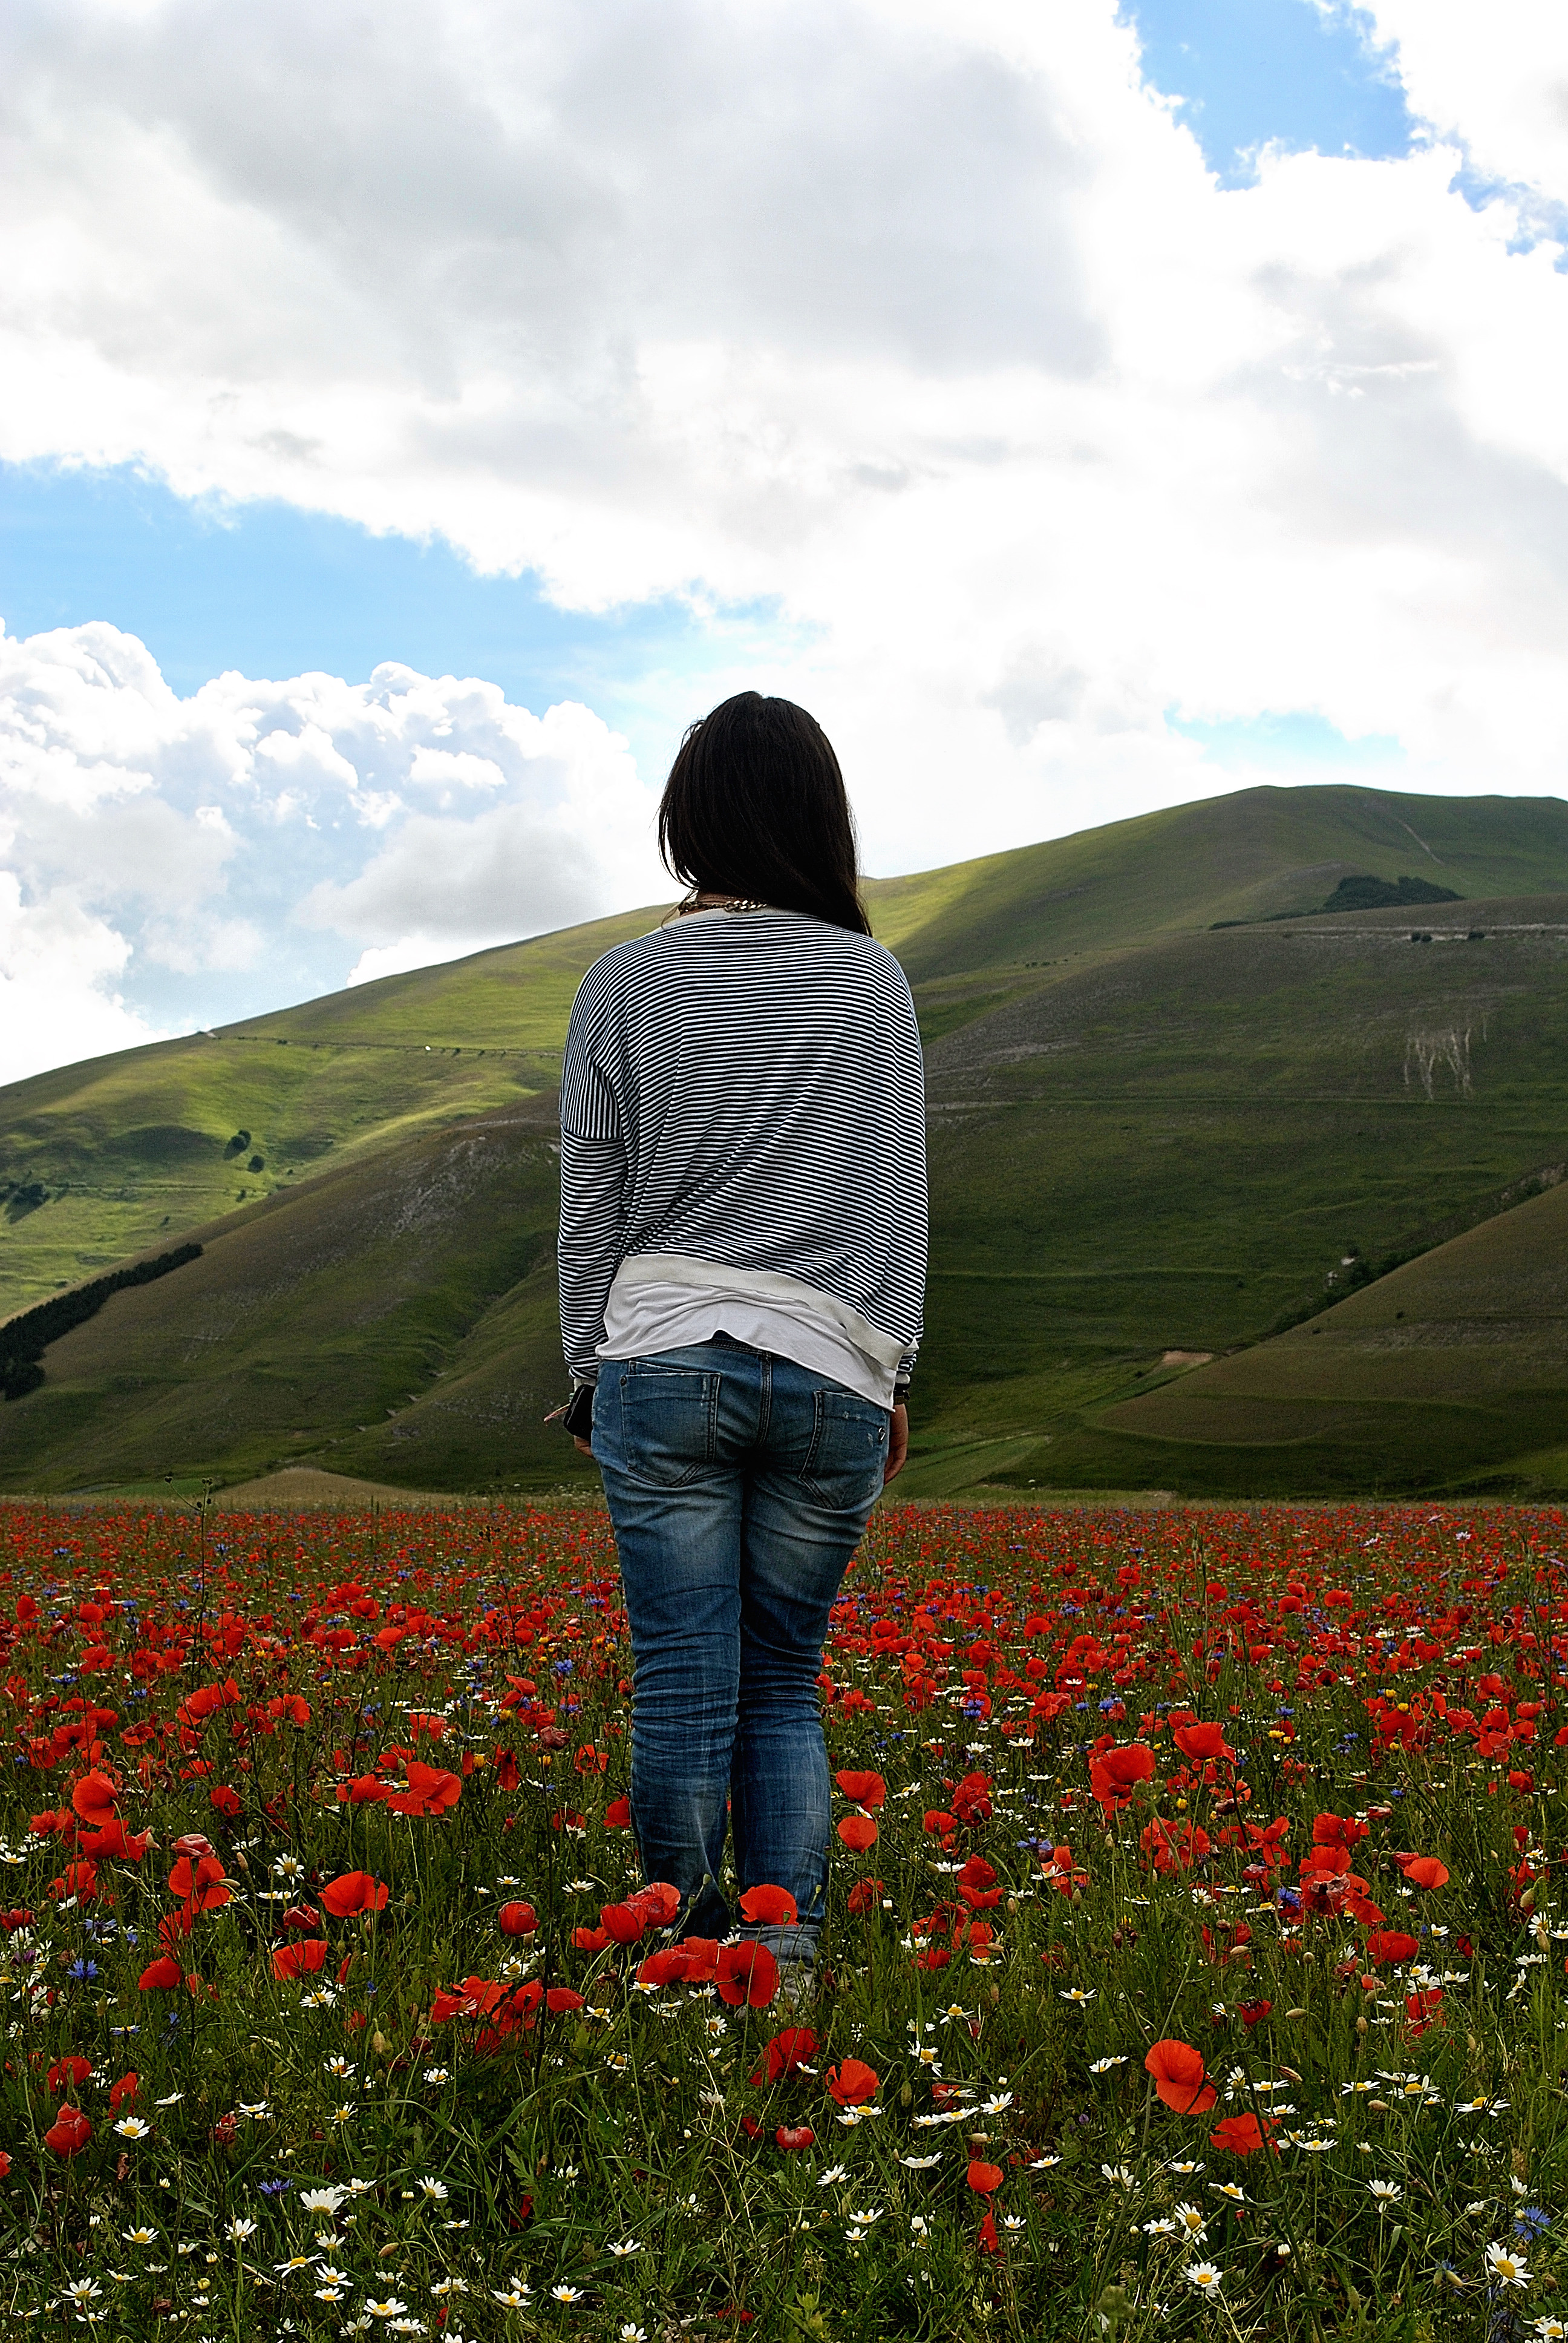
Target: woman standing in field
742 1271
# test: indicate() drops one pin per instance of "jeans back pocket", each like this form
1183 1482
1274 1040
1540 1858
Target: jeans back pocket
668 1418
848 1450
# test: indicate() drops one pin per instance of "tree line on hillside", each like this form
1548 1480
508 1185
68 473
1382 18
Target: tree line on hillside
26 1337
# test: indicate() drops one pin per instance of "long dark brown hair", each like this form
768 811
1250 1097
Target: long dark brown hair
755 806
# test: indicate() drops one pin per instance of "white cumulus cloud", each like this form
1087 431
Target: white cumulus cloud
922 322
146 837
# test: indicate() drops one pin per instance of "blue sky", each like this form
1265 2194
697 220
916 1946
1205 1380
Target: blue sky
1253 72
274 591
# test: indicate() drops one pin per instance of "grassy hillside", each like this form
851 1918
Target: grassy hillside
1450 1372
101 1162
344 1319
1178 1149
1148 1134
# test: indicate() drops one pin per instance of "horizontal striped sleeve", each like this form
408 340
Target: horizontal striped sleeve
593 1213
588 1109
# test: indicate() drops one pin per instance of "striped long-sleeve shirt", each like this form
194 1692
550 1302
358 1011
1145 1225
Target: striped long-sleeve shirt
743 1128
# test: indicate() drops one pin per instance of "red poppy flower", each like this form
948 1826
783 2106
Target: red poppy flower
161 1976
69 2132
1179 2077
862 1789
746 1973
429 1792
115 1840
4 2164
1385 1944
790 2050
1201 1741
202 1884
984 2179
853 2083
858 1832
617 1815
77 1879
1425 2009
767 1907
1252 2013
561 1997
364 1791
1241 2135
67 2072
1423 1870
663 1968
126 2089
353 1891
794 2136
516 1919
864 1895
291 1961
95 1798
1115 1773
225 1801
971 1799
621 1923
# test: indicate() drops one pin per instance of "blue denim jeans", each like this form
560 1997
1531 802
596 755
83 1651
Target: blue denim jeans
740 1485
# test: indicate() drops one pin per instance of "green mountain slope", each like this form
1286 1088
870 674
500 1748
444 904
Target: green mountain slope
1252 856
1147 1134
101 1162
1177 1149
1450 1371
325 1317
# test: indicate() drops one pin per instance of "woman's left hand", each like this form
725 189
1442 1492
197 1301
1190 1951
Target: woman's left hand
898 1443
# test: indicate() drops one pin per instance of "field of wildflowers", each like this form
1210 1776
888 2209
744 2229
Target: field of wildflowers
1196 1957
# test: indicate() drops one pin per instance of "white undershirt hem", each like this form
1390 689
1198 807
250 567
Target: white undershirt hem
669 1302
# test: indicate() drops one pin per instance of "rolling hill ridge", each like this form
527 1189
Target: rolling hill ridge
1152 1131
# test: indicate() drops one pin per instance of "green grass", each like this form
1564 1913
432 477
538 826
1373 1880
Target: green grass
1147 1135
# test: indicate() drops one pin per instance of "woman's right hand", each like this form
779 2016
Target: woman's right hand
898 1443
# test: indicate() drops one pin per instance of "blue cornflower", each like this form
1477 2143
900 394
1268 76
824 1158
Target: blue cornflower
82 1972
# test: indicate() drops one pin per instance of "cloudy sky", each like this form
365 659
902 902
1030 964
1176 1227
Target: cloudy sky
413 416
